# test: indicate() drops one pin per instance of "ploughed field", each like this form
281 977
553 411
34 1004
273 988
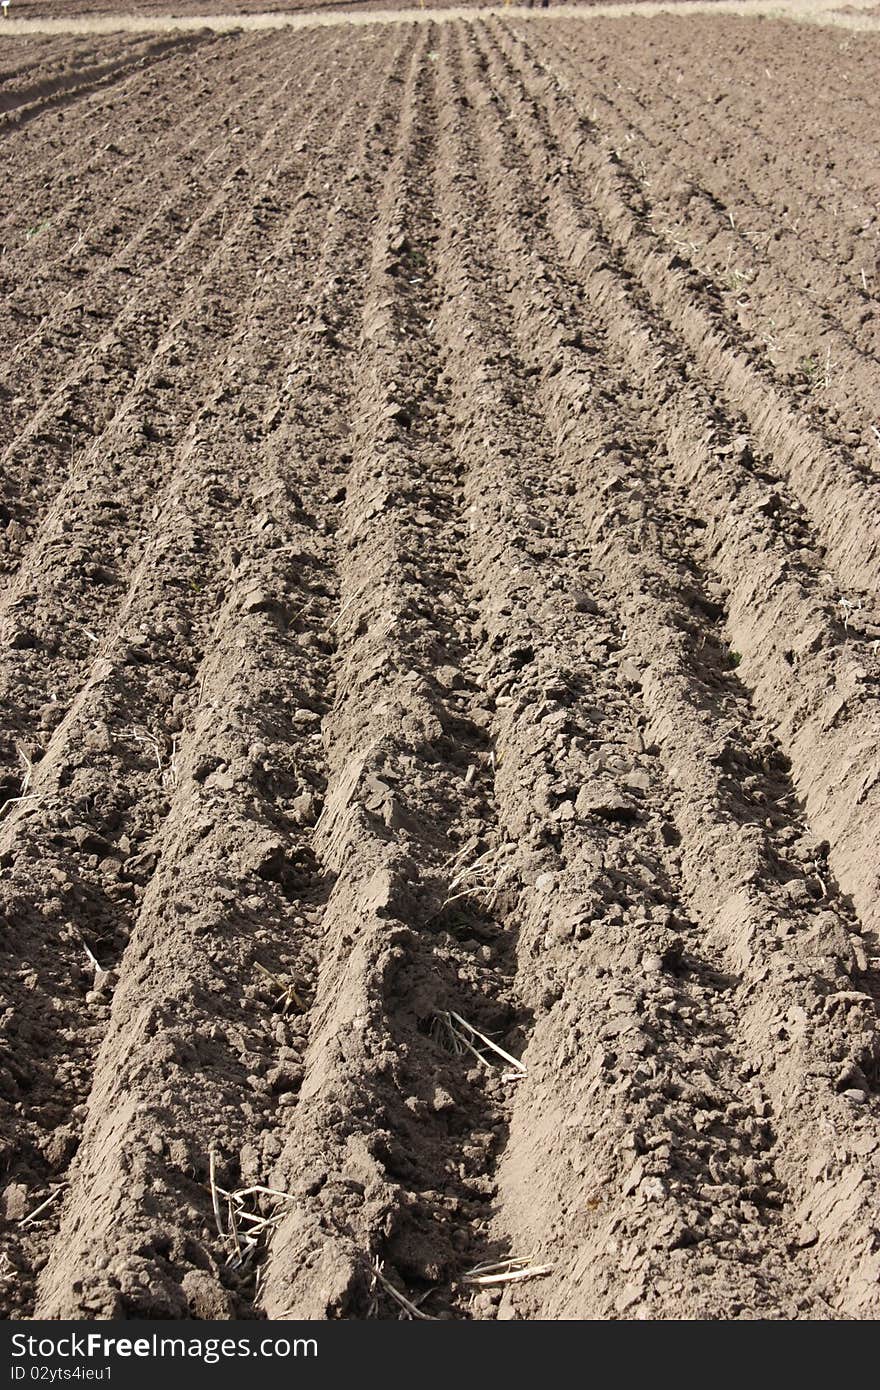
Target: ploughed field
440 786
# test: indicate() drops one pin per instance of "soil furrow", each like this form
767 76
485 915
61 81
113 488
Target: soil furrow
825 160
800 180
38 53
813 336
57 63
65 92
601 886
813 332
215 516
118 333
84 419
393 1139
45 158
814 669
438 718
784 943
106 208
62 601
816 470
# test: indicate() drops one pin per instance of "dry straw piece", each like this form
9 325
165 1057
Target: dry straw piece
514 1270
243 1226
37 1211
27 773
458 1035
410 1309
479 879
287 993
168 772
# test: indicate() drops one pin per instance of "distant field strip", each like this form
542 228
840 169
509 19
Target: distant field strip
856 14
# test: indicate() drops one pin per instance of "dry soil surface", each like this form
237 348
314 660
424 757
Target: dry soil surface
438 703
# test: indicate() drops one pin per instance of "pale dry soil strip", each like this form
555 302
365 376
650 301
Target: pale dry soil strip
849 14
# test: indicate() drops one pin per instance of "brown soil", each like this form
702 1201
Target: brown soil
439 541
